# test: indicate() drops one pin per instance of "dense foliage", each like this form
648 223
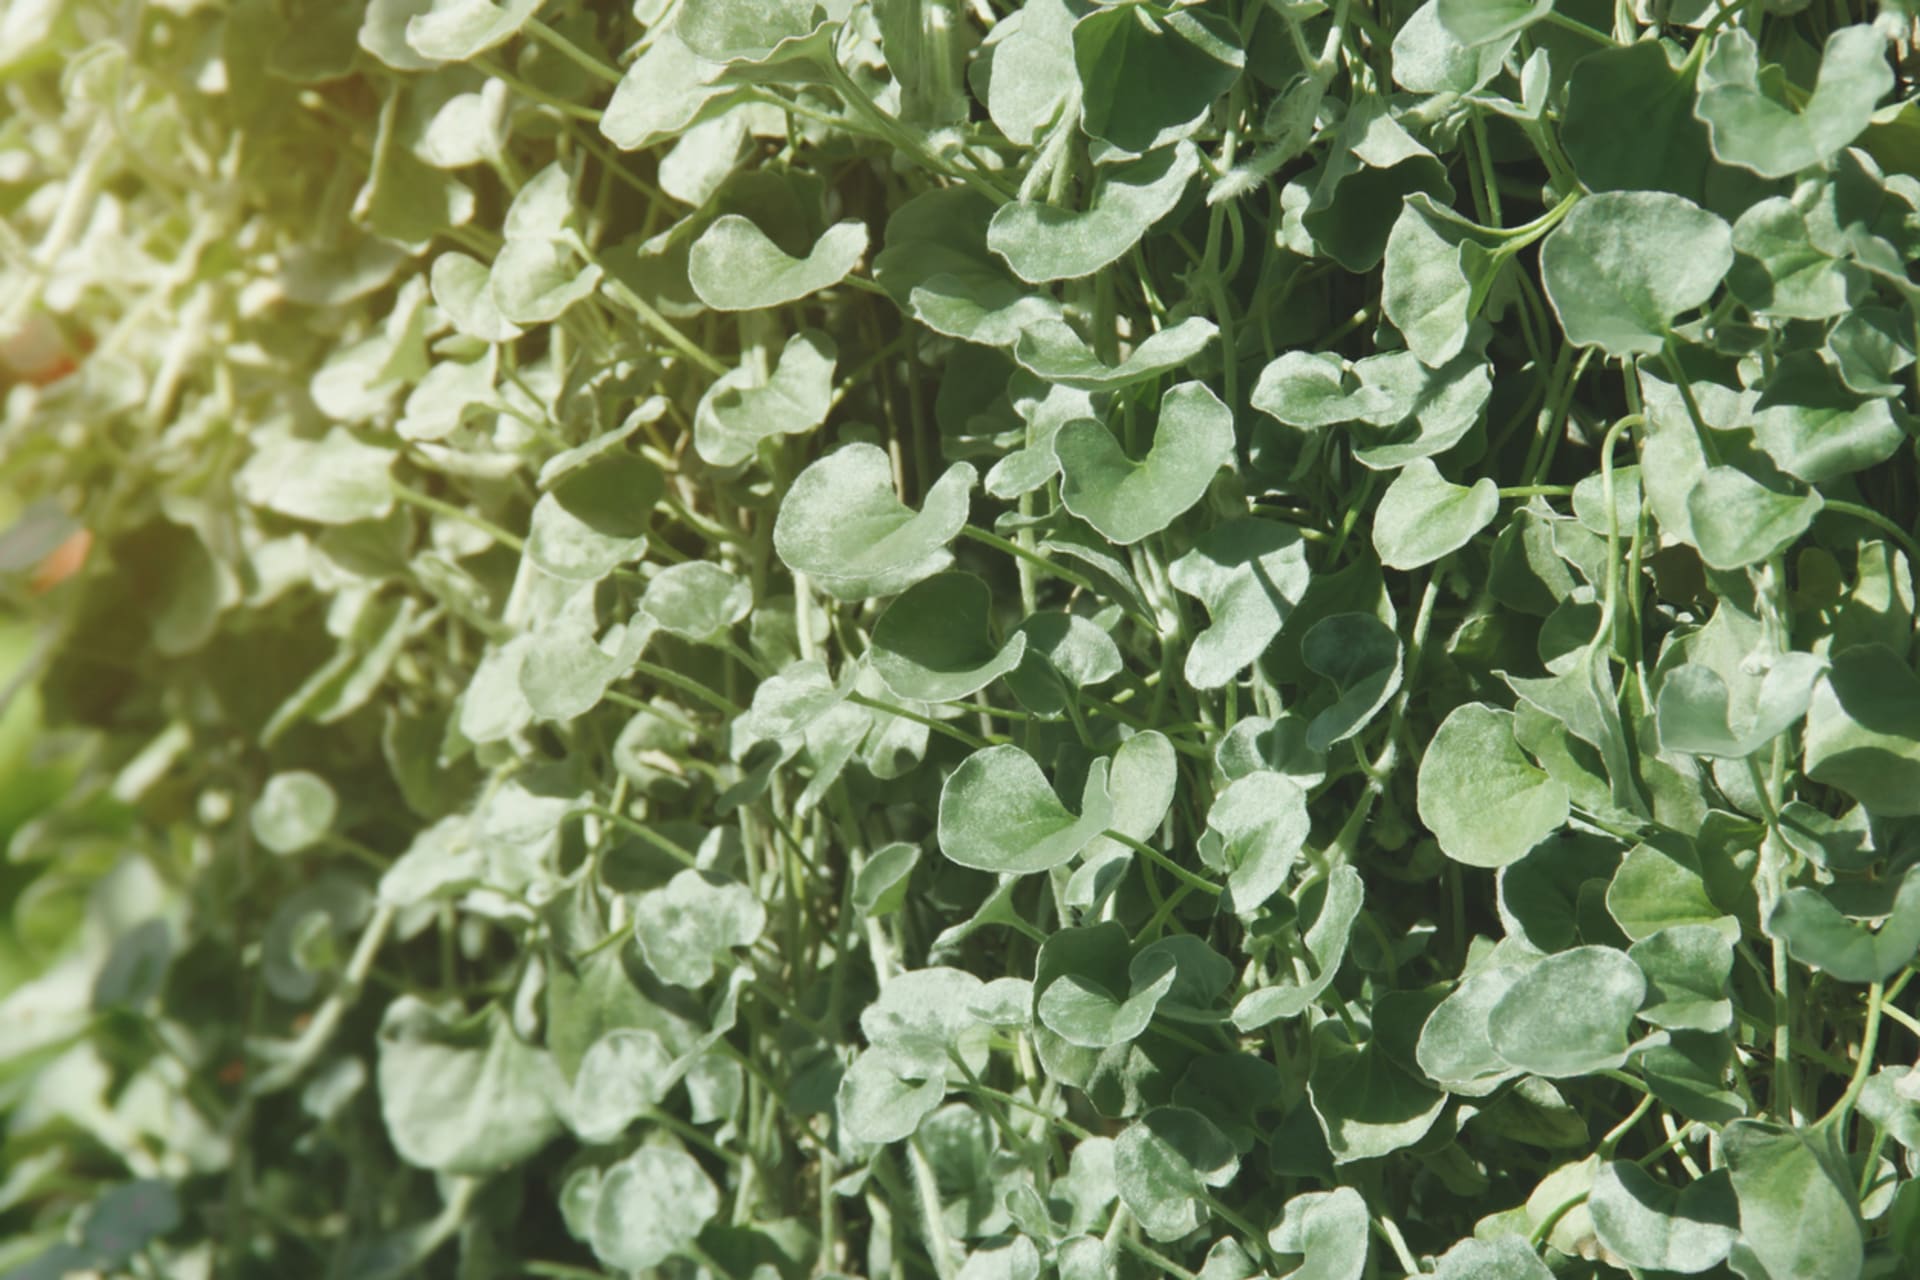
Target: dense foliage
756 639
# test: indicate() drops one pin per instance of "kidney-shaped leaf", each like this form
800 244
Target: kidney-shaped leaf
1650 1225
741 409
1818 934
935 641
1250 574
1863 730
1360 656
841 524
1330 1229
1569 1014
1127 500
1423 516
1751 129
733 266
1484 801
1042 242
1694 715
1623 264
455 30
999 813
1050 349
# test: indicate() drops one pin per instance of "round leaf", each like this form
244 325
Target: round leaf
697 600
651 1206
1568 1015
1483 800
294 811
463 1097
1622 265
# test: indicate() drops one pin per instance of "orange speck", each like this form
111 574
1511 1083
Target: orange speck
63 561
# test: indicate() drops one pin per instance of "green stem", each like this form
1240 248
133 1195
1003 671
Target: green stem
938 726
1878 521
1869 1042
572 52
692 688
1167 864
1012 548
426 502
644 834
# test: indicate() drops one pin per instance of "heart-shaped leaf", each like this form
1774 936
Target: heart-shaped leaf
998 813
841 524
733 266
1042 242
1737 521
935 642
1127 500
1164 1165
1423 516
1261 822
1798 1212
1249 574
1148 80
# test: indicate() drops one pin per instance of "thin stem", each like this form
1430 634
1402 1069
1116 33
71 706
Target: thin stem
938 726
1878 521
1012 548
1167 864
692 688
1869 1041
572 52
426 502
